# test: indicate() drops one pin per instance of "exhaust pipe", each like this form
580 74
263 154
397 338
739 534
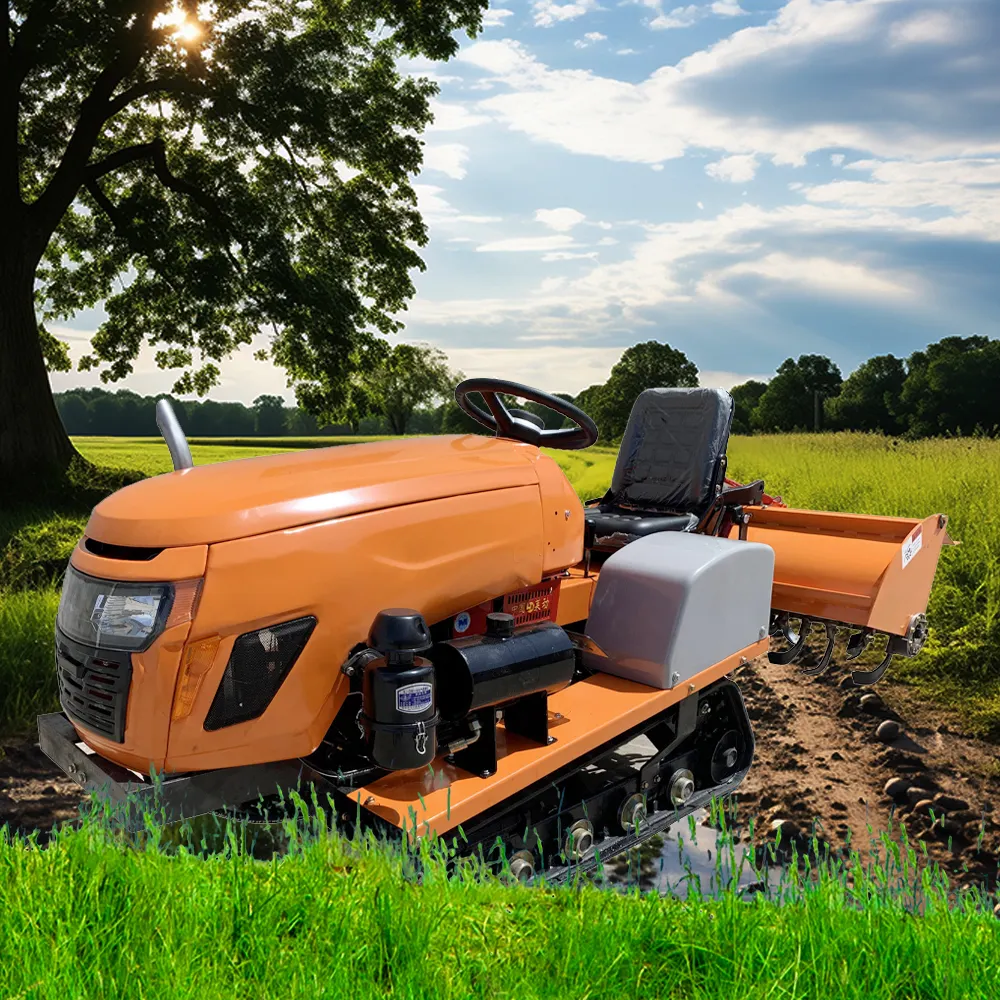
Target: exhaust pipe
172 433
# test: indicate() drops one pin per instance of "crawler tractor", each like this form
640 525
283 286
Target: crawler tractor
438 635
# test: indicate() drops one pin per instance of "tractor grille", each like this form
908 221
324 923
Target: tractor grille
534 605
93 686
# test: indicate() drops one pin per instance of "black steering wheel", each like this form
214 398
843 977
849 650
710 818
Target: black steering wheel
520 425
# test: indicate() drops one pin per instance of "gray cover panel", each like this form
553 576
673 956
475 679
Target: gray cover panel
669 453
670 605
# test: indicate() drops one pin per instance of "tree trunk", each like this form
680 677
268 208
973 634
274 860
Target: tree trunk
35 450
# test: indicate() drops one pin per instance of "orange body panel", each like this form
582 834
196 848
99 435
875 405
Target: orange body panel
251 496
171 564
439 557
575 594
593 711
562 513
849 567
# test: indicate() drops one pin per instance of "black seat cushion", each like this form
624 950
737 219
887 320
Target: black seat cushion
613 527
671 466
672 455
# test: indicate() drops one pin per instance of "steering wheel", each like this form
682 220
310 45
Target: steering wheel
520 425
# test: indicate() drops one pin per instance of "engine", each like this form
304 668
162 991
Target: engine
451 698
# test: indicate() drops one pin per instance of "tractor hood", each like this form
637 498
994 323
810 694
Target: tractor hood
250 496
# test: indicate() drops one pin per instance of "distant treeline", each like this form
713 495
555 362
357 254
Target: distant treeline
949 388
124 413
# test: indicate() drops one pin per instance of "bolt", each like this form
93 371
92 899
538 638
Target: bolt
567 515
763 631
681 787
743 661
675 678
731 758
691 686
705 708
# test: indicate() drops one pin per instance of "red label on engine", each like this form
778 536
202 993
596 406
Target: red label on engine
533 604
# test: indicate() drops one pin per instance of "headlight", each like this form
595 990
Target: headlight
112 614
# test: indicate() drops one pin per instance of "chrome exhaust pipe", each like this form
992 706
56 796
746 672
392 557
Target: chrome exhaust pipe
170 429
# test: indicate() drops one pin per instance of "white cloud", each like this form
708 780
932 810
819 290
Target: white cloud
557 369
681 106
735 169
933 27
626 52
589 39
436 210
495 17
684 17
819 274
449 158
548 12
837 159
453 117
569 255
560 219
526 244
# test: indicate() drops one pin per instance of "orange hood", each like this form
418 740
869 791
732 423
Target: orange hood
250 496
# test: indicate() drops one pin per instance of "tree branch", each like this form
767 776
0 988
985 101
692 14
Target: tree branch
156 153
27 37
59 193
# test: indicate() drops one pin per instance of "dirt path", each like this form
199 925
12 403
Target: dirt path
817 757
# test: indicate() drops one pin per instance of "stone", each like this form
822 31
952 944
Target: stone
872 703
836 755
788 829
950 803
896 788
888 731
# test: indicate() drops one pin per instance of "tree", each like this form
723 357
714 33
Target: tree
269 416
649 365
242 173
869 398
788 403
745 399
950 387
408 376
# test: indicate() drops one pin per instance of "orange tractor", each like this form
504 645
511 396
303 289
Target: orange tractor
436 633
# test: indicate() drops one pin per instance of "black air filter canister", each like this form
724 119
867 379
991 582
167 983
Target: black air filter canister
399 714
506 664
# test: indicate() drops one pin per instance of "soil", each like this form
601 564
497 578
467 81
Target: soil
817 759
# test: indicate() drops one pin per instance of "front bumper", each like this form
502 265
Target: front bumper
170 797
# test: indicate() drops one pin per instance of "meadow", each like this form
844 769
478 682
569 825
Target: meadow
959 668
91 917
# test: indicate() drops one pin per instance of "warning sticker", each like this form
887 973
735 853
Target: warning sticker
912 545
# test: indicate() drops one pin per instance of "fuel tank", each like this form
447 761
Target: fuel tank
296 554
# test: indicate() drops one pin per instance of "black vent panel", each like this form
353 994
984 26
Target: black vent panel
132 553
93 686
259 663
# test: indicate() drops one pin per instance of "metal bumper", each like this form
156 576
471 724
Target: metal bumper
170 797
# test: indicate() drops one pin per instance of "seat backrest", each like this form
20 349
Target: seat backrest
673 454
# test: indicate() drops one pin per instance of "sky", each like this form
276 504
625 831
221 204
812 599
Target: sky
745 180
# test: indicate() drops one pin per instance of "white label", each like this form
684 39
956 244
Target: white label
462 621
414 698
912 545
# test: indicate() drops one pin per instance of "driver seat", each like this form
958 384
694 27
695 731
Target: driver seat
671 467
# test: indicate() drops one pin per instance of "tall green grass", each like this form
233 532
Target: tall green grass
94 915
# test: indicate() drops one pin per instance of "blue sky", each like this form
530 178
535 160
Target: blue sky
746 181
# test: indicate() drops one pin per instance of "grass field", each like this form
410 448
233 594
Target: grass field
960 666
90 917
